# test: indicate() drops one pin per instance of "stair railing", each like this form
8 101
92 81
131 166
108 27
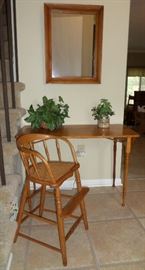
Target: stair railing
2 168
7 8
4 73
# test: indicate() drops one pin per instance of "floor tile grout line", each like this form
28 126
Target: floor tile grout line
91 221
72 268
30 228
123 263
111 219
137 218
130 262
28 245
96 261
139 221
134 217
132 191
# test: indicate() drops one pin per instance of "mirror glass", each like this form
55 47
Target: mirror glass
73 43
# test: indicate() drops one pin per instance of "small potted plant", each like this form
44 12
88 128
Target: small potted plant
102 113
50 114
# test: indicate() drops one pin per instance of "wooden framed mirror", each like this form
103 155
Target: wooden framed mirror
73 43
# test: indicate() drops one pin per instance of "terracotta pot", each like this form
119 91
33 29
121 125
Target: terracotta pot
43 125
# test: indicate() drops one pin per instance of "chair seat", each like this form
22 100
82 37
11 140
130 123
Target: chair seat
60 171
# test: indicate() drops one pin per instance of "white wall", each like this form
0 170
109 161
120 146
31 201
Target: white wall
81 97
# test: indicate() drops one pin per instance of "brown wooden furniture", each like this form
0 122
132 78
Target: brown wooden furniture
139 116
139 99
116 133
129 112
50 171
130 100
134 114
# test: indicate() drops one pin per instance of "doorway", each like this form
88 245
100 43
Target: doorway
135 78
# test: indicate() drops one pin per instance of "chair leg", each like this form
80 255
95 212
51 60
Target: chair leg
82 204
42 199
29 198
60 224
21 207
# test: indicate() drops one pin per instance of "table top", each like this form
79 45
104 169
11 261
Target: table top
84 131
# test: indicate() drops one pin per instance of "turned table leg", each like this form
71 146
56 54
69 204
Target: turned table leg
114 160
126 164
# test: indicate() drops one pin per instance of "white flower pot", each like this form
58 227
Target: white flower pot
104 122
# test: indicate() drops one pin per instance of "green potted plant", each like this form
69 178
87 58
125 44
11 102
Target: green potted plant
102 113
50 114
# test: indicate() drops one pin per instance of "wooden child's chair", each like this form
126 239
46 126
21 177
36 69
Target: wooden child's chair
49 172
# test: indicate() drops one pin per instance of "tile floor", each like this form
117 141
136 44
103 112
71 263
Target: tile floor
116 236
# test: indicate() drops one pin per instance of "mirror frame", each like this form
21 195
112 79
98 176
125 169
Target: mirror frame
97 10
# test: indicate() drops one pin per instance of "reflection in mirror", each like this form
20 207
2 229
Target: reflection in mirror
72 51
73 39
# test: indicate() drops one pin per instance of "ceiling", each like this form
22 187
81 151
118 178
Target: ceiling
137 26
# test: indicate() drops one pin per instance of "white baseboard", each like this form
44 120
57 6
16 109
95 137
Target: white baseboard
90 183
8 267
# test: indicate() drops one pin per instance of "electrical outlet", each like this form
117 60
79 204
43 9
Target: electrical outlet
81 150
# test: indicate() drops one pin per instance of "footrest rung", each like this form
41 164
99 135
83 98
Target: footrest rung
75 200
